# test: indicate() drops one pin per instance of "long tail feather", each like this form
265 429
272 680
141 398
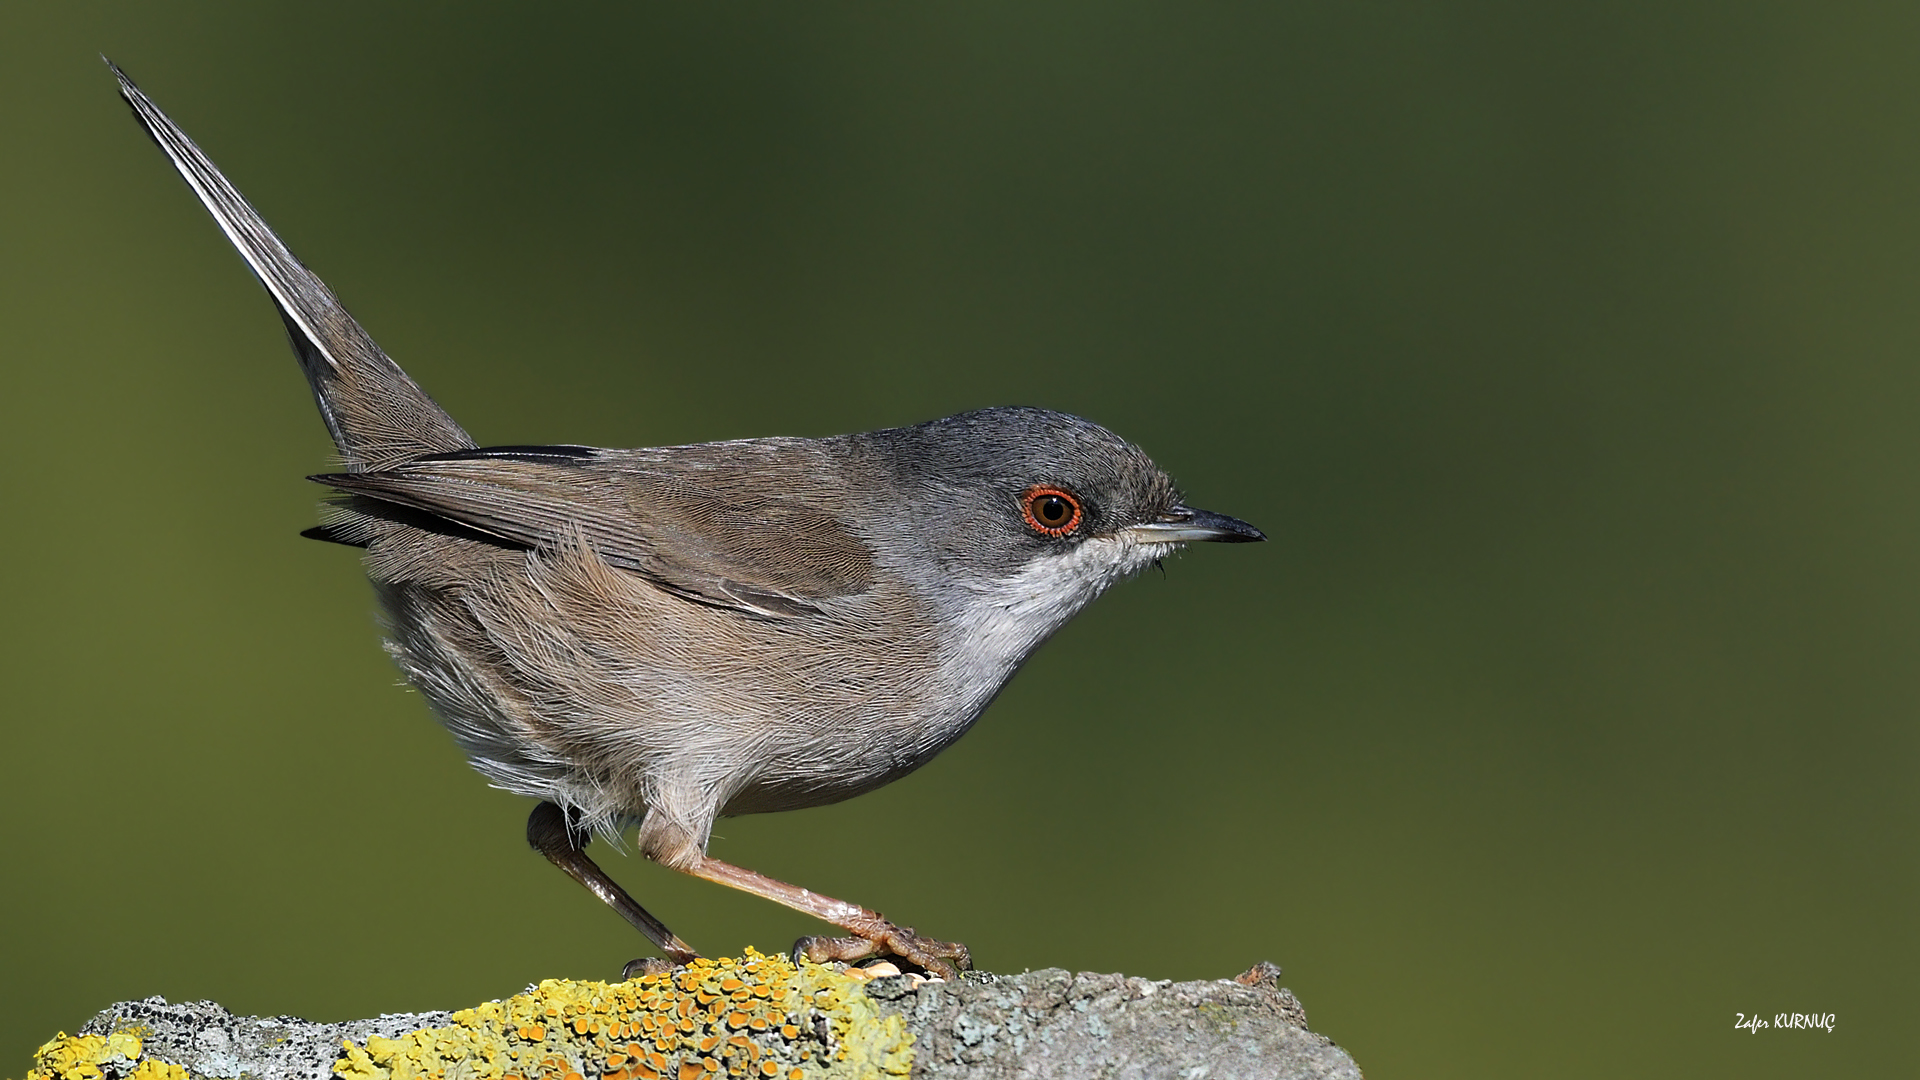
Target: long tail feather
377 415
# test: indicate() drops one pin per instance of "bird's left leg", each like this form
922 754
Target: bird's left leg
551 835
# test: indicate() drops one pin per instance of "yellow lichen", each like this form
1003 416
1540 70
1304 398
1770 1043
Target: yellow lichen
92 1057
756 1016
673 1026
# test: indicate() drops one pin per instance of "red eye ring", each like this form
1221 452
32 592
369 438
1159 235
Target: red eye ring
1050 511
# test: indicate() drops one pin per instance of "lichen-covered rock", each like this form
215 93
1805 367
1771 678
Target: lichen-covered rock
1054 1024
755 1016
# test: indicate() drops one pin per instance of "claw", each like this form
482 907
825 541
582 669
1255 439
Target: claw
945 959
644 966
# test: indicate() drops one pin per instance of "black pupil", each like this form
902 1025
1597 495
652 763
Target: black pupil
1052 511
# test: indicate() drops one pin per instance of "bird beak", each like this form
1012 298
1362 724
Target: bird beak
1183 524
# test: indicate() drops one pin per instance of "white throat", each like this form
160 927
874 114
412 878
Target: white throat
999 623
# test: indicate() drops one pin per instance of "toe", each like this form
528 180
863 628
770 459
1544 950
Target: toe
646 965
824 950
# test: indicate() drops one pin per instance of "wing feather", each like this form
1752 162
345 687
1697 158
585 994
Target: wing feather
700 533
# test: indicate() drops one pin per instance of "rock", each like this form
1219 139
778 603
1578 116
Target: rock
1057 1024
754 1016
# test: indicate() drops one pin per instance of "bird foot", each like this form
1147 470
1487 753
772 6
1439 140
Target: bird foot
946 959
646 965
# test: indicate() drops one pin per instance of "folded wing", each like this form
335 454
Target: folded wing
700 535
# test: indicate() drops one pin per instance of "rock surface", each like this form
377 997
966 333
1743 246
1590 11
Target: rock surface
810 1023
1056 1024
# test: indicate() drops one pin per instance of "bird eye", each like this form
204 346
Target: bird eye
1050 511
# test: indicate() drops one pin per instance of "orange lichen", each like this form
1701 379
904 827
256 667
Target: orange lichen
811 1023
756 1016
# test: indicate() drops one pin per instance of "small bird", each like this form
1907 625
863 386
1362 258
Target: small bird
656 638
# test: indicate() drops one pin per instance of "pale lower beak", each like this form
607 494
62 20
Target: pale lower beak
1183 524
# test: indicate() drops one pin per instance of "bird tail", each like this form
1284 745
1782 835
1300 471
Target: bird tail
377 415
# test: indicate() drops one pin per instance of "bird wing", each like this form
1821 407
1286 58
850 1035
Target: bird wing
708 535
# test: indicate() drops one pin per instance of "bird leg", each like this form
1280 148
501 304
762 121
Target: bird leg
549 834
872 933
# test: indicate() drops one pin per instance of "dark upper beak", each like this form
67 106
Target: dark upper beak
1183 524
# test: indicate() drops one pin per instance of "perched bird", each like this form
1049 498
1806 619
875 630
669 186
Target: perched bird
660 637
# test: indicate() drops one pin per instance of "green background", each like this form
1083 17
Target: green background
1566 353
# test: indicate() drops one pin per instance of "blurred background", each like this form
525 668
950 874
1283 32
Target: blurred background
1567 355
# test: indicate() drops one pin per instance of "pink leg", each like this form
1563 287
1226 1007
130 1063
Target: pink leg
872 933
